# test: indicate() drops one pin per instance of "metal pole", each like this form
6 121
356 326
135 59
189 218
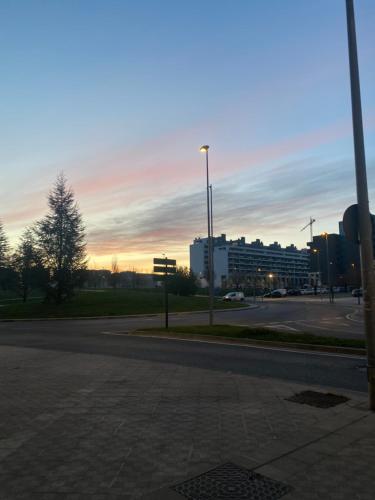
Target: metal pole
319 276
166 293
328 269
365 230
212 248
209 256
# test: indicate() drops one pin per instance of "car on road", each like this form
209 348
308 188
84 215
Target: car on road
357 292
234 296
307 291
294 292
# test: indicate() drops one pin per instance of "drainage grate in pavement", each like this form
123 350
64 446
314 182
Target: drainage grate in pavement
318 399
231 482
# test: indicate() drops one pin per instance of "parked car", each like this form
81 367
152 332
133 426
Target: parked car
307 291
294 291
234 296
357 292
275 294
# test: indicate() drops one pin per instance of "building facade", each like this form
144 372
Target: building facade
237 263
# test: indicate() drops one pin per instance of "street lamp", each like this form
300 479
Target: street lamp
317 253
329 278
204 149
257 270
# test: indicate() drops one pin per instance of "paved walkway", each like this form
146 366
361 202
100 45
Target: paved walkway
80 426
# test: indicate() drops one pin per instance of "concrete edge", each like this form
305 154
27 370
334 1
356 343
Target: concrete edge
125 316
250 342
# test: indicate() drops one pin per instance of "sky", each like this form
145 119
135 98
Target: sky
119 95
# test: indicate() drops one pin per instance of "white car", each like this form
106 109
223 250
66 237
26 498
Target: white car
234 296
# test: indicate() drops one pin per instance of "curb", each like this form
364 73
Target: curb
125 316
251 342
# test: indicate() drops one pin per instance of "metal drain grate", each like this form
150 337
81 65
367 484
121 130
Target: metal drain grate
231 482
318 399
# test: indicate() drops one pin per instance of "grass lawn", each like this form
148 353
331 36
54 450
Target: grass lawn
107 302
239 332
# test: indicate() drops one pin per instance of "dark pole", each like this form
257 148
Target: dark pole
212 282
365 230
209 241
166 293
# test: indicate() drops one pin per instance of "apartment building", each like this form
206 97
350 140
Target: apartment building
238 262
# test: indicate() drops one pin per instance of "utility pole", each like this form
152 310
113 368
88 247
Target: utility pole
364 220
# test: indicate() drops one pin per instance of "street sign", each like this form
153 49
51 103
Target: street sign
165 262
164 269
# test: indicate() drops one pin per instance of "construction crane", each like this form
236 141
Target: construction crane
311 227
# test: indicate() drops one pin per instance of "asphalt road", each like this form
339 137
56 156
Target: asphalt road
109 337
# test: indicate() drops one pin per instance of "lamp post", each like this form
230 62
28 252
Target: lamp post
365 233
330 288
204 149
271 280
317 253
257 270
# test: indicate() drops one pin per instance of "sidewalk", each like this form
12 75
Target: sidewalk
80 426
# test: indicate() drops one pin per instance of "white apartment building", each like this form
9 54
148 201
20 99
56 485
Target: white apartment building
271 266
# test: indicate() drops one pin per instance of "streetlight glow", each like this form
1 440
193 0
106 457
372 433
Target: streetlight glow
204 149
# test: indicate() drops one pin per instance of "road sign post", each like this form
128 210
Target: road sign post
167 267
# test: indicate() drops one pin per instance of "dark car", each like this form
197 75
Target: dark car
357 292
294 291
275 294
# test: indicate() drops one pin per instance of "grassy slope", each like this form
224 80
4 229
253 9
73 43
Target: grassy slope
239 332
106 303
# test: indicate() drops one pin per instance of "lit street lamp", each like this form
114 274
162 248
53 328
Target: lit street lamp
330 287
317 253
204 149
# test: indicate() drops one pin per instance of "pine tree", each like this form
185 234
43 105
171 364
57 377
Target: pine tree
4 247
61 242
27 265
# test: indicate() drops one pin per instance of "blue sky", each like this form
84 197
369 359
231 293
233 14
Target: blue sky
120 95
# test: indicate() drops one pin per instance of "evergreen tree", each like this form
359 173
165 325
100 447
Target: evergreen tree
61 242
28 266
183 282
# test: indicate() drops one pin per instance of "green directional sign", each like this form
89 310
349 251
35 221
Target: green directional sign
165 262
164 269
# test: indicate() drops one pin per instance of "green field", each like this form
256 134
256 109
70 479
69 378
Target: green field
240 332
107 302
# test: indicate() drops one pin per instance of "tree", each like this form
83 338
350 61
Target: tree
28 266
4 247
115 272
184 282
61 242
6 273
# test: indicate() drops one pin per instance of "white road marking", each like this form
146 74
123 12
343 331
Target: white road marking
282 327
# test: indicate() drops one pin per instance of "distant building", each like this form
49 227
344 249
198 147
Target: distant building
237 263
341 266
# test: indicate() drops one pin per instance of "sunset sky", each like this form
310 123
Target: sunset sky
121 94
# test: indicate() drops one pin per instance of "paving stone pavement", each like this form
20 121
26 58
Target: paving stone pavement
81 426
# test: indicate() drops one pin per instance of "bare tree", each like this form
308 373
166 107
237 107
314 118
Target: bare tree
115 272
4 247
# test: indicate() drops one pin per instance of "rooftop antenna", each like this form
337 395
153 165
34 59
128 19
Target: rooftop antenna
311 227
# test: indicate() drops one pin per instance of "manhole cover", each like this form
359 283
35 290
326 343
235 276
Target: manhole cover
318 399
231 482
